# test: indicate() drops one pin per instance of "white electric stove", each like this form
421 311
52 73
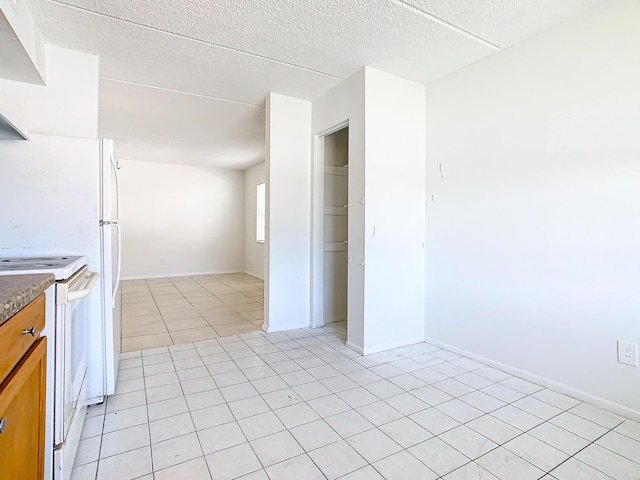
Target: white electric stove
66 328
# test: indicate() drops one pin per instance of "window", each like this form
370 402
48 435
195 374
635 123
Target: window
260 213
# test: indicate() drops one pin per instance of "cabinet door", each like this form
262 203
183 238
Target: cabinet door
22 416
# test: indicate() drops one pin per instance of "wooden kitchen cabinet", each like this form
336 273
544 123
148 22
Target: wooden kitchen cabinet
22 400
18 334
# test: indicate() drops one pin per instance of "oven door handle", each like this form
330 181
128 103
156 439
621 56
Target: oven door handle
73 295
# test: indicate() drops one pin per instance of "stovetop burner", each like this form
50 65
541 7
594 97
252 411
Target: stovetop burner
21 266
61 266
33 259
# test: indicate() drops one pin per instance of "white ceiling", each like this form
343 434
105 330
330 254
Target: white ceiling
232 53
145 122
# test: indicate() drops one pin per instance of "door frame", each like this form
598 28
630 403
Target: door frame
317 224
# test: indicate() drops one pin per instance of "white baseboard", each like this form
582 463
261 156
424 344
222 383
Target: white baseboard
253 274
390 346
355 348
544 382
283 328
326 324
184 274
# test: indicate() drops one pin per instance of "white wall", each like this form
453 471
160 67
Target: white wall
67 106
180 220
253 251
386 117
394 211
534 228
288 232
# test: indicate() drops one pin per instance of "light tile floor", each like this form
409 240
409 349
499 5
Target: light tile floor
166 311
300 405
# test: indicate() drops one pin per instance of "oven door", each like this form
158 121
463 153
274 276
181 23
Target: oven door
71 327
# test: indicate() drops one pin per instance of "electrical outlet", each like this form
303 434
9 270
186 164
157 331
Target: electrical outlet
628 353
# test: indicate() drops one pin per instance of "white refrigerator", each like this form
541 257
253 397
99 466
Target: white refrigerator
60 197
111 258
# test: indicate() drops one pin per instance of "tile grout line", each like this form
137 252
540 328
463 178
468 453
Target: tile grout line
161 316
587 446
144 381
227 405
195 431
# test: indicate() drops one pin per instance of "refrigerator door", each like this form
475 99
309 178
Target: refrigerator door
110 240
109 234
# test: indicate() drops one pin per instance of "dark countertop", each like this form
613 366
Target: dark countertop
17 291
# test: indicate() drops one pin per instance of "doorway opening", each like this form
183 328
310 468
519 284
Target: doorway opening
335 262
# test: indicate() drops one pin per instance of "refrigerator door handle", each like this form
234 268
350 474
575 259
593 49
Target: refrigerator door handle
115 168
117 282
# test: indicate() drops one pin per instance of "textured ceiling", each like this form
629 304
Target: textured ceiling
331 37
240 50
143 55
504 22
168 126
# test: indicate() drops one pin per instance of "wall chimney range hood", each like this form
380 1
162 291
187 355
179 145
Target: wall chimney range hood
10 130
22 58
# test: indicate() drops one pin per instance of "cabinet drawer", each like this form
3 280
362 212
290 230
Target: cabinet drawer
16 337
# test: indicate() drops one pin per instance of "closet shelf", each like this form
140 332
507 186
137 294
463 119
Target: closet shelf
335 170
339 211
336 246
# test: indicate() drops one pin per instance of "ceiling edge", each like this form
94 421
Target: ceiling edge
194 39
444 23
182 92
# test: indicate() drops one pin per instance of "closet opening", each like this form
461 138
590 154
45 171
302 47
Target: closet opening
335 261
